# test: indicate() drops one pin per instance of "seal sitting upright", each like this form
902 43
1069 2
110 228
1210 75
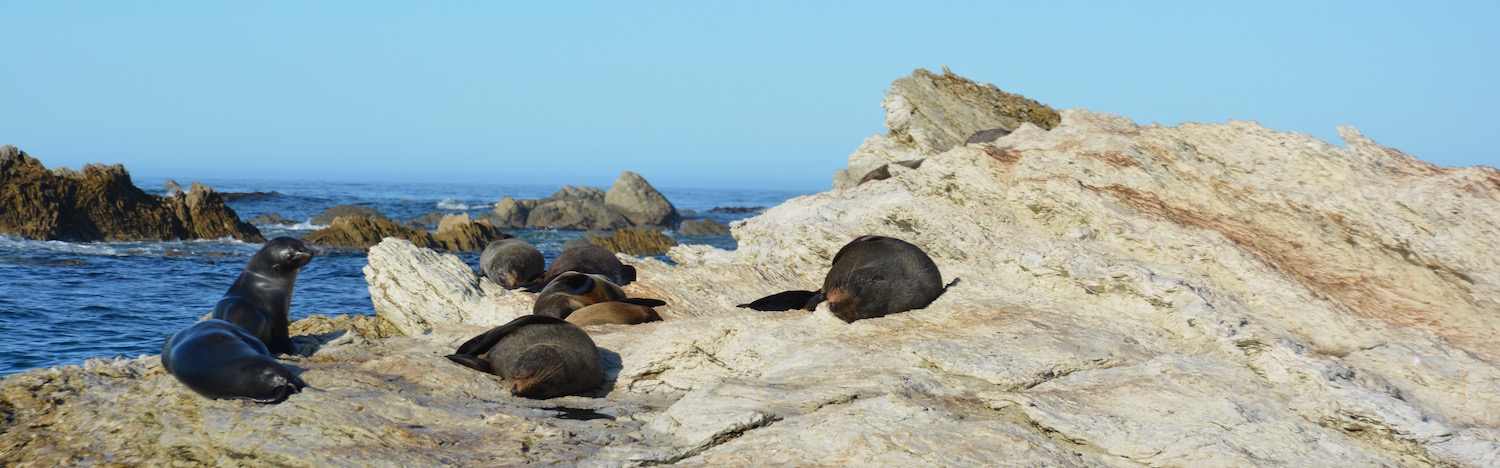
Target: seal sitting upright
871 276
261 297
220 360
539 357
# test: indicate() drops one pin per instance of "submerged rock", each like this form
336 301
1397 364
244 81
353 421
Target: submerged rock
102 204
1200 295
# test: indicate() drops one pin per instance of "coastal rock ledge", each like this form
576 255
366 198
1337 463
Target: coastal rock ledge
1198 295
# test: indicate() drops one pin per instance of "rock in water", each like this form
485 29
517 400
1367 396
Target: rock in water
702 227
340 211
633 241
639 202
359 232
101 204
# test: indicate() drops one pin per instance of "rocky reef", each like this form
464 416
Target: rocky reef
630 202
101 204
361 231
1198 295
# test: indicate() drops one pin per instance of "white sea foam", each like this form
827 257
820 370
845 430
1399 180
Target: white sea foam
451 204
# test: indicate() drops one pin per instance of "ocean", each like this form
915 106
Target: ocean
62 303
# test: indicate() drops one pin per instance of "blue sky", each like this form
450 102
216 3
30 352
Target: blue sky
696 94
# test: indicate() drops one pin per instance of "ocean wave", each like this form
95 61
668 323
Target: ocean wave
223 245
451 204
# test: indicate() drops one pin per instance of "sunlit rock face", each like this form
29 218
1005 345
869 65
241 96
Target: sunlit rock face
101 204
1199 295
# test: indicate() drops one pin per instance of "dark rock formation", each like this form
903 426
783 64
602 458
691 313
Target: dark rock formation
271 218
101 204
241 196
426 221
702 227
633 241
346 210
356 231
737 209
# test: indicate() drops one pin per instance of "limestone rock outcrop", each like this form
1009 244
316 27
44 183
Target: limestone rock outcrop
102 204
1198 295
927 113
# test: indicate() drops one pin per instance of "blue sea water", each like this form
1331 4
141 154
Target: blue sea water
62 303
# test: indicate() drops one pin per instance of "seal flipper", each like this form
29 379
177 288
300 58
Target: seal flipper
643 301
481 344
785 300
470 361
812 302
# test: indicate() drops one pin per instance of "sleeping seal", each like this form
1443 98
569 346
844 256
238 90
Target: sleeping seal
539 357
220 360
871 276
261 297
573 291
629 311
511 262
588 258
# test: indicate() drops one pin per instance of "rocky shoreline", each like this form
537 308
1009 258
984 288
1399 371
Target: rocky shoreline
1205 294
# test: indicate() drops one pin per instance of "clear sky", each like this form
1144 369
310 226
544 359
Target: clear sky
696 94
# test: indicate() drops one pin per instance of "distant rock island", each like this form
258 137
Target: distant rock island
101 204
1131 295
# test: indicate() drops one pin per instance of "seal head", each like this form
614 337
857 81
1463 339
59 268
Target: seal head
261 298
511 262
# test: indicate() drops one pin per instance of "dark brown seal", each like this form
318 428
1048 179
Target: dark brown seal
220 360
571 291
539 357
629 311
261 297
871 276
587 258
511 262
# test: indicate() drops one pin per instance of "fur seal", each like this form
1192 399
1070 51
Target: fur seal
511 262
261 297
539 357
220 360
871 276
588 258
630 311
572 291
884 171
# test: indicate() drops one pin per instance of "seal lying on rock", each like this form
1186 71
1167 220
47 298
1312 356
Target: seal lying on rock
539 357
261 297
511 262
630 311
584 257
220 360
872 276
573 291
